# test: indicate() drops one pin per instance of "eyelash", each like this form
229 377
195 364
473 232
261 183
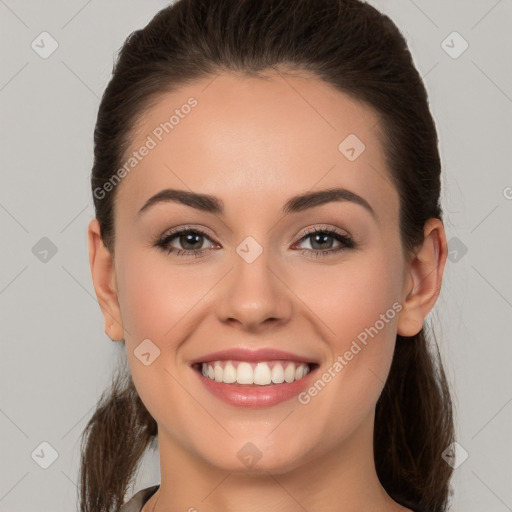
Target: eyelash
346 241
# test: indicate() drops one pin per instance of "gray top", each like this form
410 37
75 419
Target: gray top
139 499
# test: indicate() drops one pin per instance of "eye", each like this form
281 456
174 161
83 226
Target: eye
190 240
322 241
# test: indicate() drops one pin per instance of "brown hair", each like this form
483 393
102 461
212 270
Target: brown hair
358 50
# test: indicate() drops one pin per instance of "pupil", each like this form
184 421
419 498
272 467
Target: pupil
189 238
320 236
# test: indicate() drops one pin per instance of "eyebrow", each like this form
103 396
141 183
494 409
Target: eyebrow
299 203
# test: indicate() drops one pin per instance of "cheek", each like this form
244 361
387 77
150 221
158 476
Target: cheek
352 296
358 305
363 319
155 296
159 302
154 307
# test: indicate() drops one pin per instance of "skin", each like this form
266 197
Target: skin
254 143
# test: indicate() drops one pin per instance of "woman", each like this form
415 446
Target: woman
268 242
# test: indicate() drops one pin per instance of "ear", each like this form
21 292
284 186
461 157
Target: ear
103 278
423 283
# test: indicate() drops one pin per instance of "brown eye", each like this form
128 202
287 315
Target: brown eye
322 241
189 242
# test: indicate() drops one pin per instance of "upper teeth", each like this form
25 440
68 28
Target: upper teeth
261 373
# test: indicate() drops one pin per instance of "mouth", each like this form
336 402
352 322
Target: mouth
254 373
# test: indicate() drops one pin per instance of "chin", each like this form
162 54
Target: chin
249 457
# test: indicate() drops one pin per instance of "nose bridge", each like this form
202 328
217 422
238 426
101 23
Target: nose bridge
252 292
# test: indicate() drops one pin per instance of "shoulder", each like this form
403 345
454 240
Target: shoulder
407 506
139 499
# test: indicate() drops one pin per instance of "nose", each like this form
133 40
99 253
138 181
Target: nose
254 296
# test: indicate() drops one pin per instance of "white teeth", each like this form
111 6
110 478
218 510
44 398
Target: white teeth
244 373
217 372
229 375
300 372
289 373
261 373
277 374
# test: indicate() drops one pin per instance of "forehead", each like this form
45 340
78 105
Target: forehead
248 138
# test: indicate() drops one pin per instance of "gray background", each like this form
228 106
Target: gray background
55 358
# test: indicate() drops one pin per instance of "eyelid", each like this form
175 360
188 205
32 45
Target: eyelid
187 227
205 231
320 227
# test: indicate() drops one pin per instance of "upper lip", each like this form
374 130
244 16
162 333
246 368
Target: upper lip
245 354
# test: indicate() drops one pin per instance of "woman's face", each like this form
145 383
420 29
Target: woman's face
260 279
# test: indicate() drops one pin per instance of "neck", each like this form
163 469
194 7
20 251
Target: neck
343 474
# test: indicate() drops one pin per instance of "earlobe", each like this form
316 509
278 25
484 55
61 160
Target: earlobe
103 277
423 284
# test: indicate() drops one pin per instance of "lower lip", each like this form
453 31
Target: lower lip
254 396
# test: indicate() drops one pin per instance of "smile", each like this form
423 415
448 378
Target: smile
255 384
261 373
